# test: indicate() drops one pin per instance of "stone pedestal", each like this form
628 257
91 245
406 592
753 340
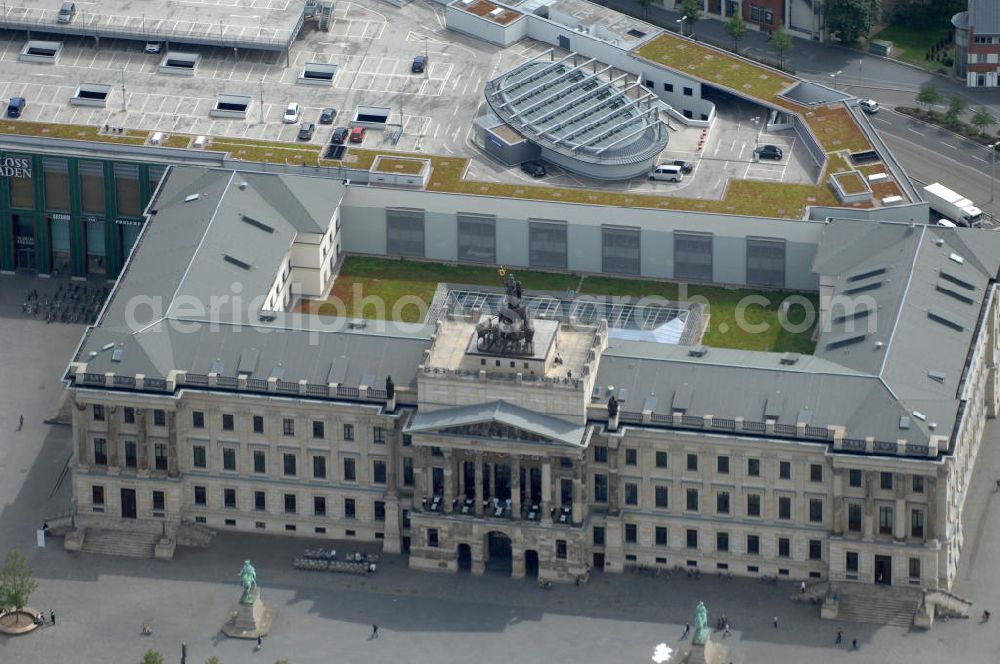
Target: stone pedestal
707 653
164 548
249 620
74 539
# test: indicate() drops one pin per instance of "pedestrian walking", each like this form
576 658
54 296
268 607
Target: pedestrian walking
20 424
854 644
374 631
260 644
687 630
727 632
52 616
802 586
776 622
840 637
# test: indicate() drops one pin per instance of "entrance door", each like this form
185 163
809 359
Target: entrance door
599 562
564 42
531 564
24 242
883 570
566 491
499 554
128 503
464 557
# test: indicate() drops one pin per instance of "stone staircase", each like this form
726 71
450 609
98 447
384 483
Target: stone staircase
880 605
119 543
194 534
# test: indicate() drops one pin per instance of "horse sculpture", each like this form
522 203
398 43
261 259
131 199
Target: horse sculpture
510 331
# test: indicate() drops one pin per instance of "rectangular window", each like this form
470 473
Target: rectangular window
661 459
407 440
914 568
815 472
100 451
159 501
722 542
378 435
620 250
229 498
227 422
160 455
128 414
851 561
815 549
753 467
600 454
784 547
350 474
816 510
407 471
785 470
379 510
258 424
288 465
98 413
127 194
917 523
753 504
547 245
319 506
784 507
561 549
692 538
722 502
97 495
753 545
200 496
688 91
692 462
631 456
668 87
885 519
631 493
160 418
259 461
290 503
319 467
600 488
404 230
378 471
350 511
661 536
662 497
692 500
22 190
348 432
228 458
131 454
631 533
288 426
854 477
432 537
854 511
722 465
198 456
319 430
918 484
197 419
56 183
766 262
693 256
598 535
477 238
885 481
260 501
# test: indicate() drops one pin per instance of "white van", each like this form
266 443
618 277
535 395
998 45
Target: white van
667 172
947 223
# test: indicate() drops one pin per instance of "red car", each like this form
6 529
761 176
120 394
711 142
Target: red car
357 134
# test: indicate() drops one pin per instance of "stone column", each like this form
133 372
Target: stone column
80 436
449 478
113 437
515 484
838 501
142 442
930 523
392 542
868 518
478 460
899 519
460 470
172 444
546 489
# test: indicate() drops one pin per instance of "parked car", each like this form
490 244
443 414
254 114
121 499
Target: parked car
153 47
357 134
419 64
67 12
339 136
16 107
292 113
667 173
868 105
327 115
686 167
306 130
770 152
534 169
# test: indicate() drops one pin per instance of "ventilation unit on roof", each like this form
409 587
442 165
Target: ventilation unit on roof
467 2
192 197
116 355
947 322
356 324
257 224
920 416
847 340
932 425
697 351
938 376
496 12
961 297
957 281
236 261
875 271
955 257
904 421
863 288
267 316
242 185
789 359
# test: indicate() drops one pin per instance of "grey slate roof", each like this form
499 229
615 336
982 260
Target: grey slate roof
984 17
557 429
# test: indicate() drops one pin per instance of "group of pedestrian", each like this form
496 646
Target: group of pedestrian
840 640
40 618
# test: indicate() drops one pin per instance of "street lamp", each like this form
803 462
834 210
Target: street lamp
681 21
755 120
834 76
993 166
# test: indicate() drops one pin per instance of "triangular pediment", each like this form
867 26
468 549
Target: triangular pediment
498 420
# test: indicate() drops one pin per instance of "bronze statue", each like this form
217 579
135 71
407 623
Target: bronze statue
510 332
248 578
390 388
612 407
701 624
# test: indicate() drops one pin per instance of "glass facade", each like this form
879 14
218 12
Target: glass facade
477 238
620 249
547 244
766 262
693 256
404 229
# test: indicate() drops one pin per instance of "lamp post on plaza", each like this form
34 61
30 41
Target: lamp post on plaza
755 120
993 167
834 76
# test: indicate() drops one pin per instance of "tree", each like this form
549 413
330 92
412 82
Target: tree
956 106
781 41
645 7
929 95
151 657
16 584
851 19
982 119
213 660
690 13
736 27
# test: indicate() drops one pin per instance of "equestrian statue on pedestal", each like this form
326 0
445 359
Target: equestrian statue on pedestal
509 332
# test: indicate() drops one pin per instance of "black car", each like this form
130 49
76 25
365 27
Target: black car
339 136
419 64
15 107
306 130
770 152
686 167
533 168
327 115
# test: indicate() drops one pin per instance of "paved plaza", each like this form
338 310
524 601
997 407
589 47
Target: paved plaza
101 602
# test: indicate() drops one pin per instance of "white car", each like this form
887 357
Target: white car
292 113
153 47
868 105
